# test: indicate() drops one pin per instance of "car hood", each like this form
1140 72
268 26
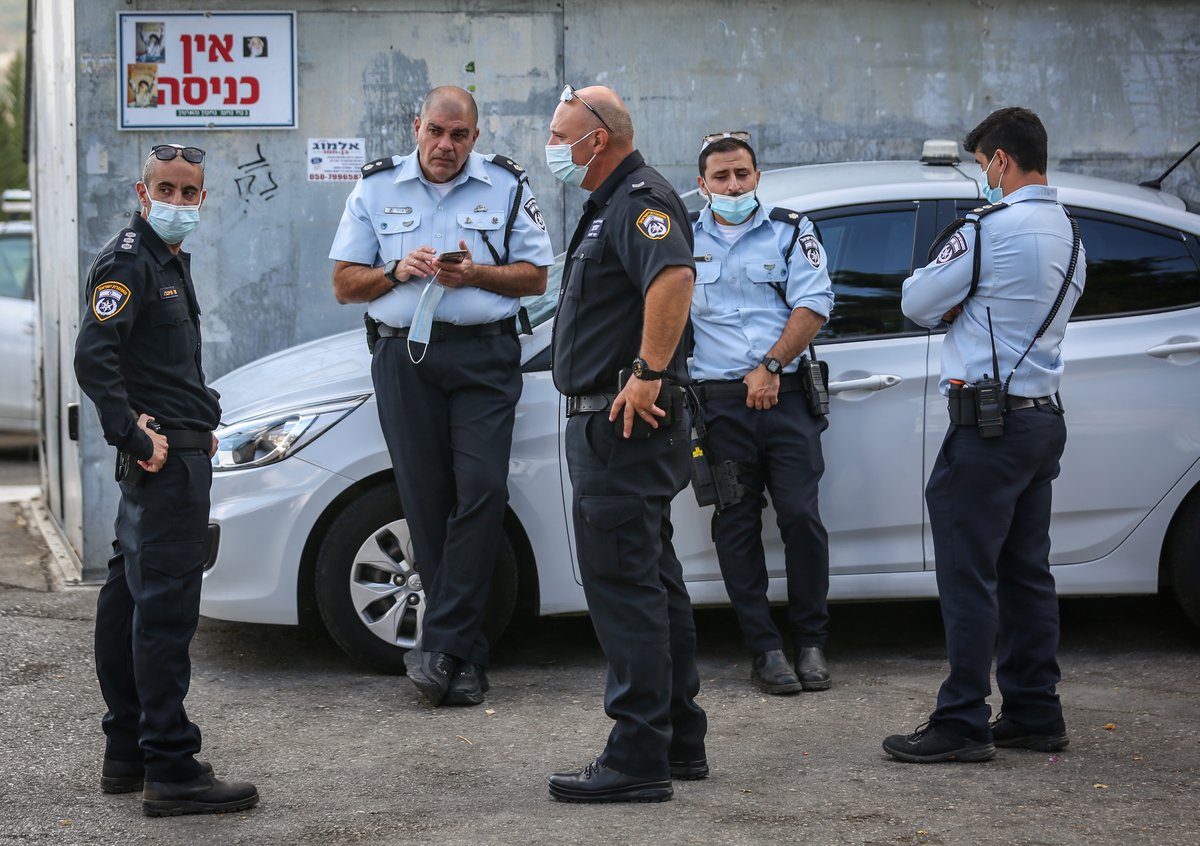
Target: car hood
327 368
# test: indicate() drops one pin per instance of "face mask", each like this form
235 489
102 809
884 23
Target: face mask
421 328
558 159
734 209
992 195
172 223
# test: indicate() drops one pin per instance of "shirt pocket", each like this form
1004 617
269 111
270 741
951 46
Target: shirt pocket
174 330
397 233
584 279
707 294
768 288
476 229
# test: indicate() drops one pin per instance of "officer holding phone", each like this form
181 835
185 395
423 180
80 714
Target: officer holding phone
441 244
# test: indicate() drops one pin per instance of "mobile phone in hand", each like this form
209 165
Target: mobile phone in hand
452 257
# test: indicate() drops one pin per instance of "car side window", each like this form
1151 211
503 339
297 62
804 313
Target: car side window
1134 267
16 258
870 255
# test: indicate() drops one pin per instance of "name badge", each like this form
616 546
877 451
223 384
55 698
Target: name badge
168 293
397 210
594 229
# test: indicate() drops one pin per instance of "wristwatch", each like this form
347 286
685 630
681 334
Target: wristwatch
389 272
641 370
773 366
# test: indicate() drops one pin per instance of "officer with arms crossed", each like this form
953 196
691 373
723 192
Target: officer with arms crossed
624 304
1007 283
137 358
447 363
762 294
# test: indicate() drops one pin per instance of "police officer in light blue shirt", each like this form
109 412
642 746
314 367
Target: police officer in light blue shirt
762 293
1012 276
441 244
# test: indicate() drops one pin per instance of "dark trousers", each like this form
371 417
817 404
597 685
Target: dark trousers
146 615
448 423
989 508
633 582
778 450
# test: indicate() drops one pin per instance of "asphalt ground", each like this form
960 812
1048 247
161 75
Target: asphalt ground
342 755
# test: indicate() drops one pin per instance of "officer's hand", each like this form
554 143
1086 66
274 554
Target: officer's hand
159 458
952 313
762 389
637 400
417 265
213 451
458 274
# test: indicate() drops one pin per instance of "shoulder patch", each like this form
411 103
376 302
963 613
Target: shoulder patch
952 249
785 215
371 168
127 241
108 299
509 165
812 249
535 214
654 224
984 211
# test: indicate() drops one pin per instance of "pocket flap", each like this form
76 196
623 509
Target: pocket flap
766 272
481 220
609 513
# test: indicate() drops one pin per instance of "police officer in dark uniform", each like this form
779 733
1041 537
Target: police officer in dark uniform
624 304
1007 283
447 365
137 358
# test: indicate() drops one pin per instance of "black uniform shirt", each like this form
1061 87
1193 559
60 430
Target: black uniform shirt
633 226
138 349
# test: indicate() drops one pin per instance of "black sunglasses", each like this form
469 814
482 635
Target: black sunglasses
712 137
568 94
167 152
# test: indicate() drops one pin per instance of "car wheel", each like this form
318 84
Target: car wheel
1183 557
368 585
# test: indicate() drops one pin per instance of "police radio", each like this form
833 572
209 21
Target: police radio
989 396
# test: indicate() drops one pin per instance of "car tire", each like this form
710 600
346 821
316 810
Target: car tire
1183 557
367 585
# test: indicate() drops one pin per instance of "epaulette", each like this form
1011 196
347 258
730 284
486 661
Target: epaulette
785 215
509 165
127 242
371 168
984 211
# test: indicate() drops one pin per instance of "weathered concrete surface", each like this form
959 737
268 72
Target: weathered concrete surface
344 756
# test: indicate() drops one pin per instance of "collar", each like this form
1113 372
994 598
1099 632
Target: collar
609 186
1031 192
709 224
474 169
150 240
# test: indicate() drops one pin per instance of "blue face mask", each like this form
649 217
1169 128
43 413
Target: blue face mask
172 223
558 159
734 209
992 195
421 328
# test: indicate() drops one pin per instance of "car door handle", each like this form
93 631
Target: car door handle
874 382
1175 347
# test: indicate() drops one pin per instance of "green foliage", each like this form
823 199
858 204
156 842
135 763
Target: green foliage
14 173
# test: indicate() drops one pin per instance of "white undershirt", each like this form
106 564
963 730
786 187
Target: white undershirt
731 232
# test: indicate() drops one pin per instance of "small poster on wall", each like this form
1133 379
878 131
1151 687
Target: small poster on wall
214 70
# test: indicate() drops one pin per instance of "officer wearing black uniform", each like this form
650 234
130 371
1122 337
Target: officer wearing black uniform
1007 283
137 358
624 304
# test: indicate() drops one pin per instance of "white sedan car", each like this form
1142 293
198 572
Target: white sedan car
306 520
18 312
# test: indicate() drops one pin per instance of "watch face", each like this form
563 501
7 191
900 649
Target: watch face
773 366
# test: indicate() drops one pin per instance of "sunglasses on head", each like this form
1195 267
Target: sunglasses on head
568 94
167 152
712 137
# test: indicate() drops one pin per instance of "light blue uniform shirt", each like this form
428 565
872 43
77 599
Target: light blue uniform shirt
1024 254
737 314
392 212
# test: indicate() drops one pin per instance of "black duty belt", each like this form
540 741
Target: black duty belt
716 389
449 331
187 439
1015 403
589 403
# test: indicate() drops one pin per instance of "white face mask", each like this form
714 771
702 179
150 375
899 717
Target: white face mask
172 223
558 159
421 328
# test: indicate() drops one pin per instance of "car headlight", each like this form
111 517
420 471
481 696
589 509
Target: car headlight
272 437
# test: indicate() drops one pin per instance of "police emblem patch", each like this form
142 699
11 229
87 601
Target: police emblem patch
108 299
955 247
654 224
812 249
535 214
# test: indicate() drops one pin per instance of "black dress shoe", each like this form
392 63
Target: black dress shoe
771 674
468 686
811 668
1009 734
431 672
598 783
204 794
931 743
128 776
689 770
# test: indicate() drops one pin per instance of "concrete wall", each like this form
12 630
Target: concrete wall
1115 84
